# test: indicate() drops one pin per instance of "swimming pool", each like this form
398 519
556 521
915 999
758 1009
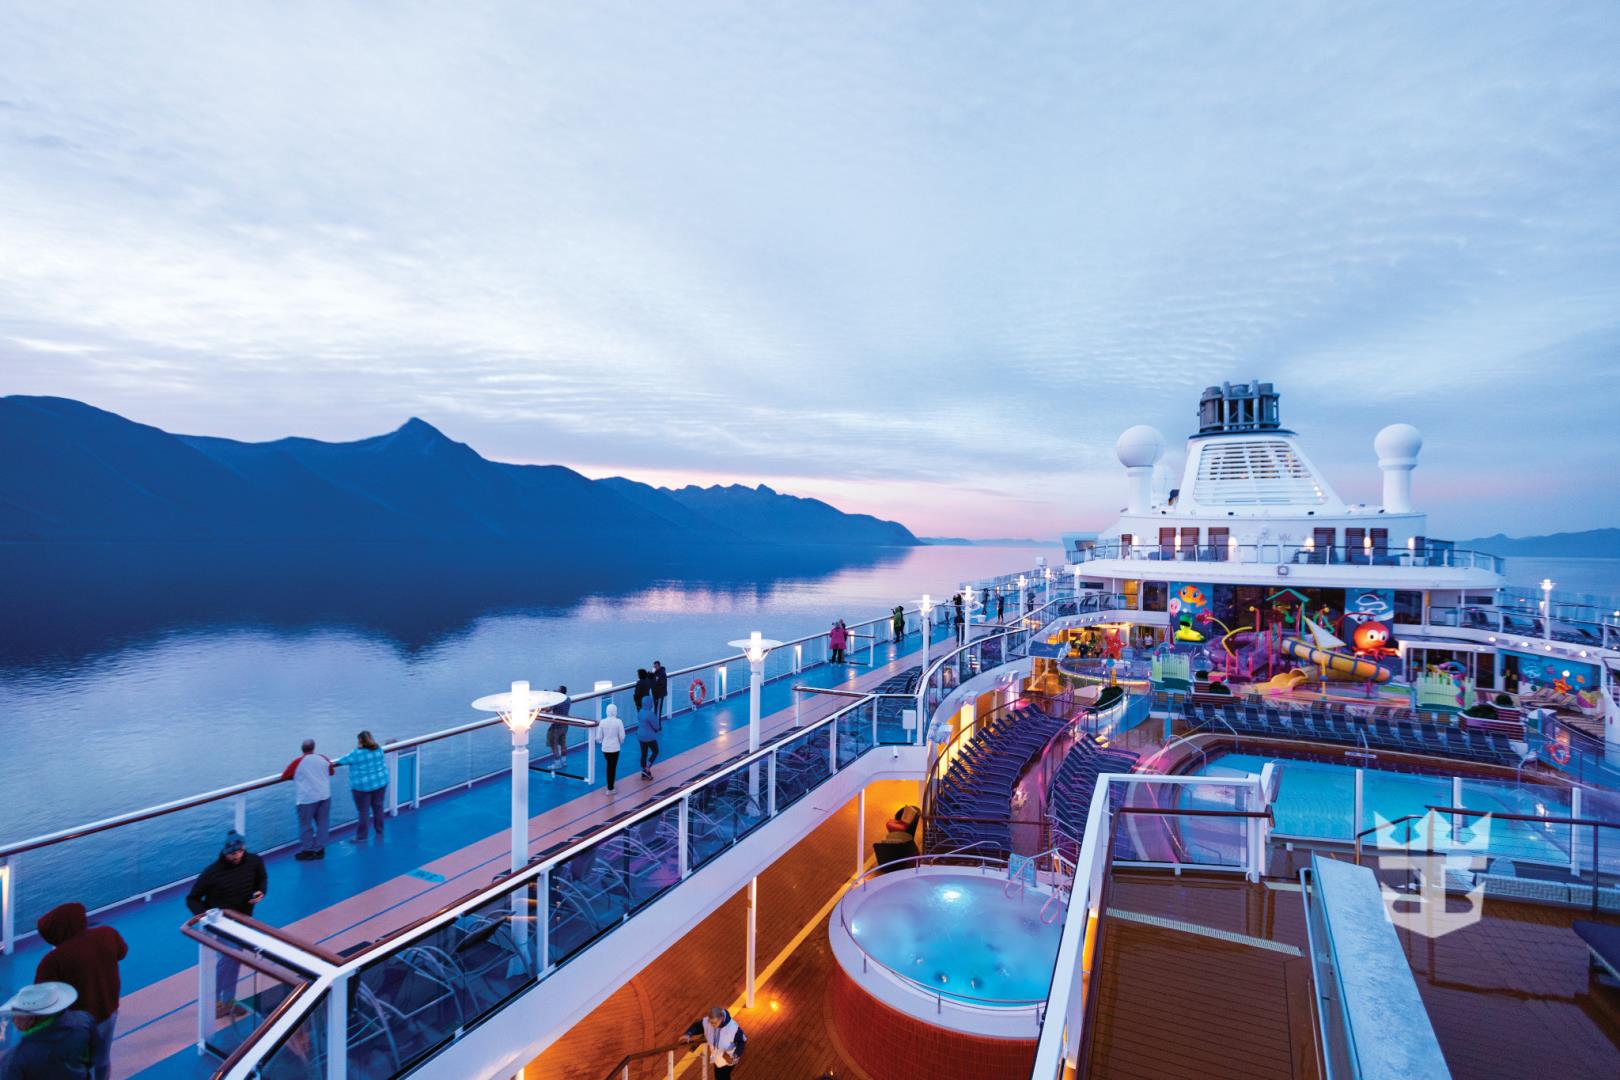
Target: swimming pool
959 935
1316 799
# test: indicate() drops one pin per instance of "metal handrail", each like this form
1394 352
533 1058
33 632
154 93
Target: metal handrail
639 1055
537 870
1458 811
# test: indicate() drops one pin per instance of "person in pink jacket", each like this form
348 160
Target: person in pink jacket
837 641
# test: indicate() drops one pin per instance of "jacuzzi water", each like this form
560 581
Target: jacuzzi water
959 935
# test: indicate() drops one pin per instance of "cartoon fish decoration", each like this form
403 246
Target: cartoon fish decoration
1192 595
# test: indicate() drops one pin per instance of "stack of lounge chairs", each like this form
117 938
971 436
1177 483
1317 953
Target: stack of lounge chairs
1386 729
973 801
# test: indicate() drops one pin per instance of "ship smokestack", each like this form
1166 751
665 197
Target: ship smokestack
1139 449
1397 447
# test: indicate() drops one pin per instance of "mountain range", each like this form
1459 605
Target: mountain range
70 471
1588 544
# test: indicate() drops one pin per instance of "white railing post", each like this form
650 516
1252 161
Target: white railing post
337 1029
770 783
239 809
684 852
206 959
8 906
1575 839
753 940
798 658
416 778
798 699
832 747
1456 800
860 833
669 1067
720 683
1355 827
393 783
542 919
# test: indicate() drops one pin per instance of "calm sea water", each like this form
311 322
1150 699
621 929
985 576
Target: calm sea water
133 675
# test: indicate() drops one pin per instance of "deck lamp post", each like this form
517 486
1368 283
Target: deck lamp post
518 709
1048 574
1546 608
756 648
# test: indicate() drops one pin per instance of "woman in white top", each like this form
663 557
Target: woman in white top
611 731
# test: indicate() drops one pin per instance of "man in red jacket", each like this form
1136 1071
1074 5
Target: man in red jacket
86 958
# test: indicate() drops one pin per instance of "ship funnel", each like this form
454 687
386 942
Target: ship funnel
1397 447
1139 449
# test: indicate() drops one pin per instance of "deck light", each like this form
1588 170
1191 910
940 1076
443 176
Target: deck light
756 647
518 709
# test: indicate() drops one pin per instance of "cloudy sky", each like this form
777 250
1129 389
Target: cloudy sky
923 260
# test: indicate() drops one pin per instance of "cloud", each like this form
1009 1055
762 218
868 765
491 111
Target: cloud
921 257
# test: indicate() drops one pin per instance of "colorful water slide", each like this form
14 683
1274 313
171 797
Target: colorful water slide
1328 653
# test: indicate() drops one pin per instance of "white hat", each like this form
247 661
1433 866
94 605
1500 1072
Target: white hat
41 999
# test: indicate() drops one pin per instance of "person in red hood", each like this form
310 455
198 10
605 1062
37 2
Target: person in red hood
86 958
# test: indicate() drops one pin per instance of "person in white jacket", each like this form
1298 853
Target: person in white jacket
725 1039
611 732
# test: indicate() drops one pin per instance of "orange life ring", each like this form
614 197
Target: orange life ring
1559 752
697 693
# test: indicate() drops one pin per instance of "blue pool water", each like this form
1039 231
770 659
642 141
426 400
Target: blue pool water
959 935
1317 799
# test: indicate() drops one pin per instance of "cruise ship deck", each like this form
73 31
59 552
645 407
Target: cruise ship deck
1183 811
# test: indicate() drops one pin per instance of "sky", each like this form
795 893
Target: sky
922 260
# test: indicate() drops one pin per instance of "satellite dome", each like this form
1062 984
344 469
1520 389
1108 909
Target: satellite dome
1140 447
1398 442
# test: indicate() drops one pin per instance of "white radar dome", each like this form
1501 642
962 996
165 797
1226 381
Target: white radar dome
1398 442
1140 447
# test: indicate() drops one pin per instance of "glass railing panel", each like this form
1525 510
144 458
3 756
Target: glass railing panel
723 811
1391 795
302 1053
1530 842
802 765
1332 1025
856 728
595 889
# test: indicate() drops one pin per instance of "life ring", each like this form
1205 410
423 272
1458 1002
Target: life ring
1559 752
697 693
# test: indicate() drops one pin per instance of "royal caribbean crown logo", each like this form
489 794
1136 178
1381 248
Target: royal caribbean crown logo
1428 854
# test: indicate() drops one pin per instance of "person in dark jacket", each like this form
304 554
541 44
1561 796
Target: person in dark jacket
235 881
53 1039
660 687
86 958
643 687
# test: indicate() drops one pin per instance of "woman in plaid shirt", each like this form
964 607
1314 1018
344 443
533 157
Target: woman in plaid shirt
368 779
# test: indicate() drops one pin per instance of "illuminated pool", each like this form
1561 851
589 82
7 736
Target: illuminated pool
960 935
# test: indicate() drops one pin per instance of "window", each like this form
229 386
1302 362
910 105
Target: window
1155 595
1219 539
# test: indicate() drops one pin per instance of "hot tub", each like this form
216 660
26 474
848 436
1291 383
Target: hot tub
943 966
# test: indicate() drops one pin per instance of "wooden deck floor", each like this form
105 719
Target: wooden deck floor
1510 996
1202 977
789 1032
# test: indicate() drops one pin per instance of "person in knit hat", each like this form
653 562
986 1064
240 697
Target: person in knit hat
86 958
236 881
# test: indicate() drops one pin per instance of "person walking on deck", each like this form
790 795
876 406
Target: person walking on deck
368 781
660 688
898 621
236 881
837 640
86 958
54 1034
726 1040
611 732
1001 606
311 774
557 731
648 726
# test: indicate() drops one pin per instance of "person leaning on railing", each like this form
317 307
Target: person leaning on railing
368 780
236 881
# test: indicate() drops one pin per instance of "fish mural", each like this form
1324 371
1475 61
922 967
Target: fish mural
1372 639
1191 595
1189 611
